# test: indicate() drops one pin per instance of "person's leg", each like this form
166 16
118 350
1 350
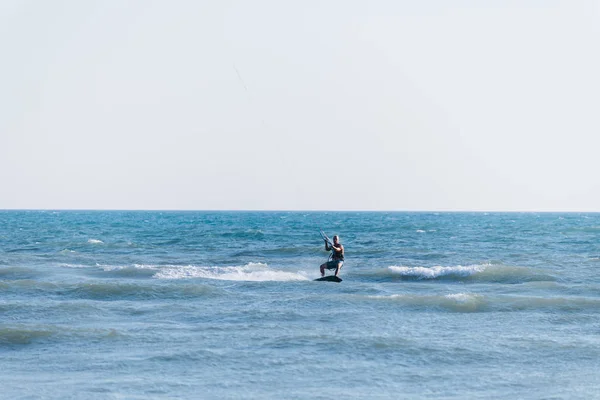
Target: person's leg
337 269
323 269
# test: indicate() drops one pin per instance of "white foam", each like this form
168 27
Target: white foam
420 231
102 266
436 272
389 296
95 241
109 268
64 265
255 272
463 297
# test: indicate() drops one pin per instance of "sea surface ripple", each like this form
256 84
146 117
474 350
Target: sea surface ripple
223 305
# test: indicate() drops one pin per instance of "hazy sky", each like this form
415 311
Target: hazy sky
328 105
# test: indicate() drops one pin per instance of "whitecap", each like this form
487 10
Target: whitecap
255 272
463 297
95 241
436 272
65 265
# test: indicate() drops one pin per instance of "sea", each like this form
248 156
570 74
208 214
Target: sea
223 305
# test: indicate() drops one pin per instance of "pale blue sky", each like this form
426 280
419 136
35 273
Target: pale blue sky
350 105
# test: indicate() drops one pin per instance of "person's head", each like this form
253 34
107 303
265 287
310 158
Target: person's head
336 239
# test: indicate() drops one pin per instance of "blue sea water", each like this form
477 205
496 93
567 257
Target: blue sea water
222 305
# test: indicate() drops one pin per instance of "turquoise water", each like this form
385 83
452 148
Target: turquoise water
222 305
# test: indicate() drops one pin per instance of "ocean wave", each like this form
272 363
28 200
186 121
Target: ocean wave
75 266
27 286
23 335
14 273
256 272
558 303
436 272
113 290
457 302
109 289
481 273
473 302
129 271
48 309
67 251
26 334
95 241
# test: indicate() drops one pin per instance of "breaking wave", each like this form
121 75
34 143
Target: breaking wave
255 272
478 273
437 272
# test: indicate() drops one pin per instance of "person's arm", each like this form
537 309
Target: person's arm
327 248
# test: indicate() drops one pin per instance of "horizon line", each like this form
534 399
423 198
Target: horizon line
301 210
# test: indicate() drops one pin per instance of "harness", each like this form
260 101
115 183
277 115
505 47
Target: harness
336 255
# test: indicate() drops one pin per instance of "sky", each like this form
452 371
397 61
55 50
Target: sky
441 105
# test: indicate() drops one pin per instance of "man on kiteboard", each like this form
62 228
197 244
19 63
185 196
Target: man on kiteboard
336 259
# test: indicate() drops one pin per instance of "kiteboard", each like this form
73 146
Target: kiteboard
330 278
